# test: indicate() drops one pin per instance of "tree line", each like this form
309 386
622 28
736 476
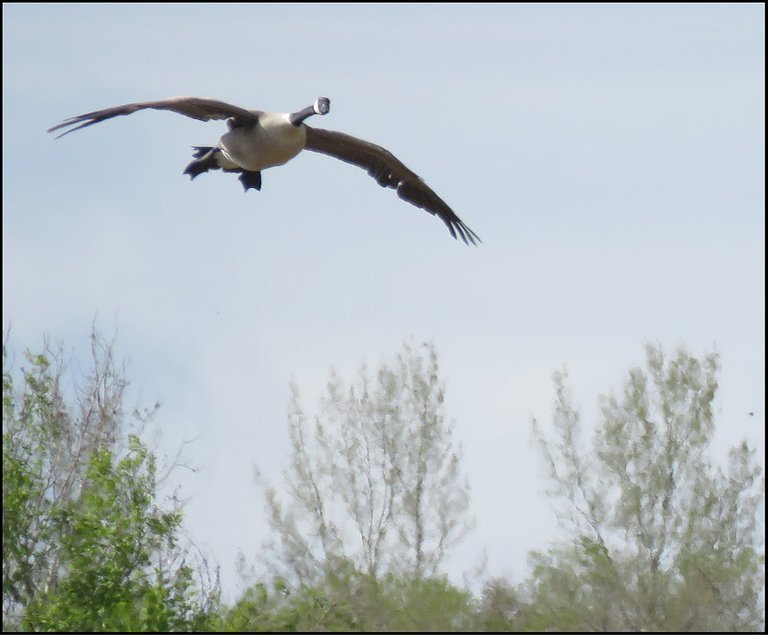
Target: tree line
660 536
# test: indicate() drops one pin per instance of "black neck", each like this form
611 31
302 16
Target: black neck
297 118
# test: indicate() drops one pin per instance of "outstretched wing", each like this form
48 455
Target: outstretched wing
202 108
389 172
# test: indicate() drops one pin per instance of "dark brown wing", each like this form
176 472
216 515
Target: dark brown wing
389 172
201 108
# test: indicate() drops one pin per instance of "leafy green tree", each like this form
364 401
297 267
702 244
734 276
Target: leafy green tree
351 601
85 545
376 481
500 608
117 552
662 538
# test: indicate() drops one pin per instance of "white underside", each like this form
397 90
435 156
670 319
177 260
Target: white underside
271 143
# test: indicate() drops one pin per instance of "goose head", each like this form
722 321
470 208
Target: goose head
322 106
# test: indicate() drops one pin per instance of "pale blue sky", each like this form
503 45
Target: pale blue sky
611 158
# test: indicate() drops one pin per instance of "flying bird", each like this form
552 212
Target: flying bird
257 140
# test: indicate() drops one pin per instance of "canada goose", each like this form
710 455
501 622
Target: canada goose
257 140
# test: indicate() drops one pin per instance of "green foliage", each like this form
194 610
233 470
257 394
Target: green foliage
662 538
31 427
348 600
108 538
85 547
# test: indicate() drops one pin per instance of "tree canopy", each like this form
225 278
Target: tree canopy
375 480
86 545
662 537
659 535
